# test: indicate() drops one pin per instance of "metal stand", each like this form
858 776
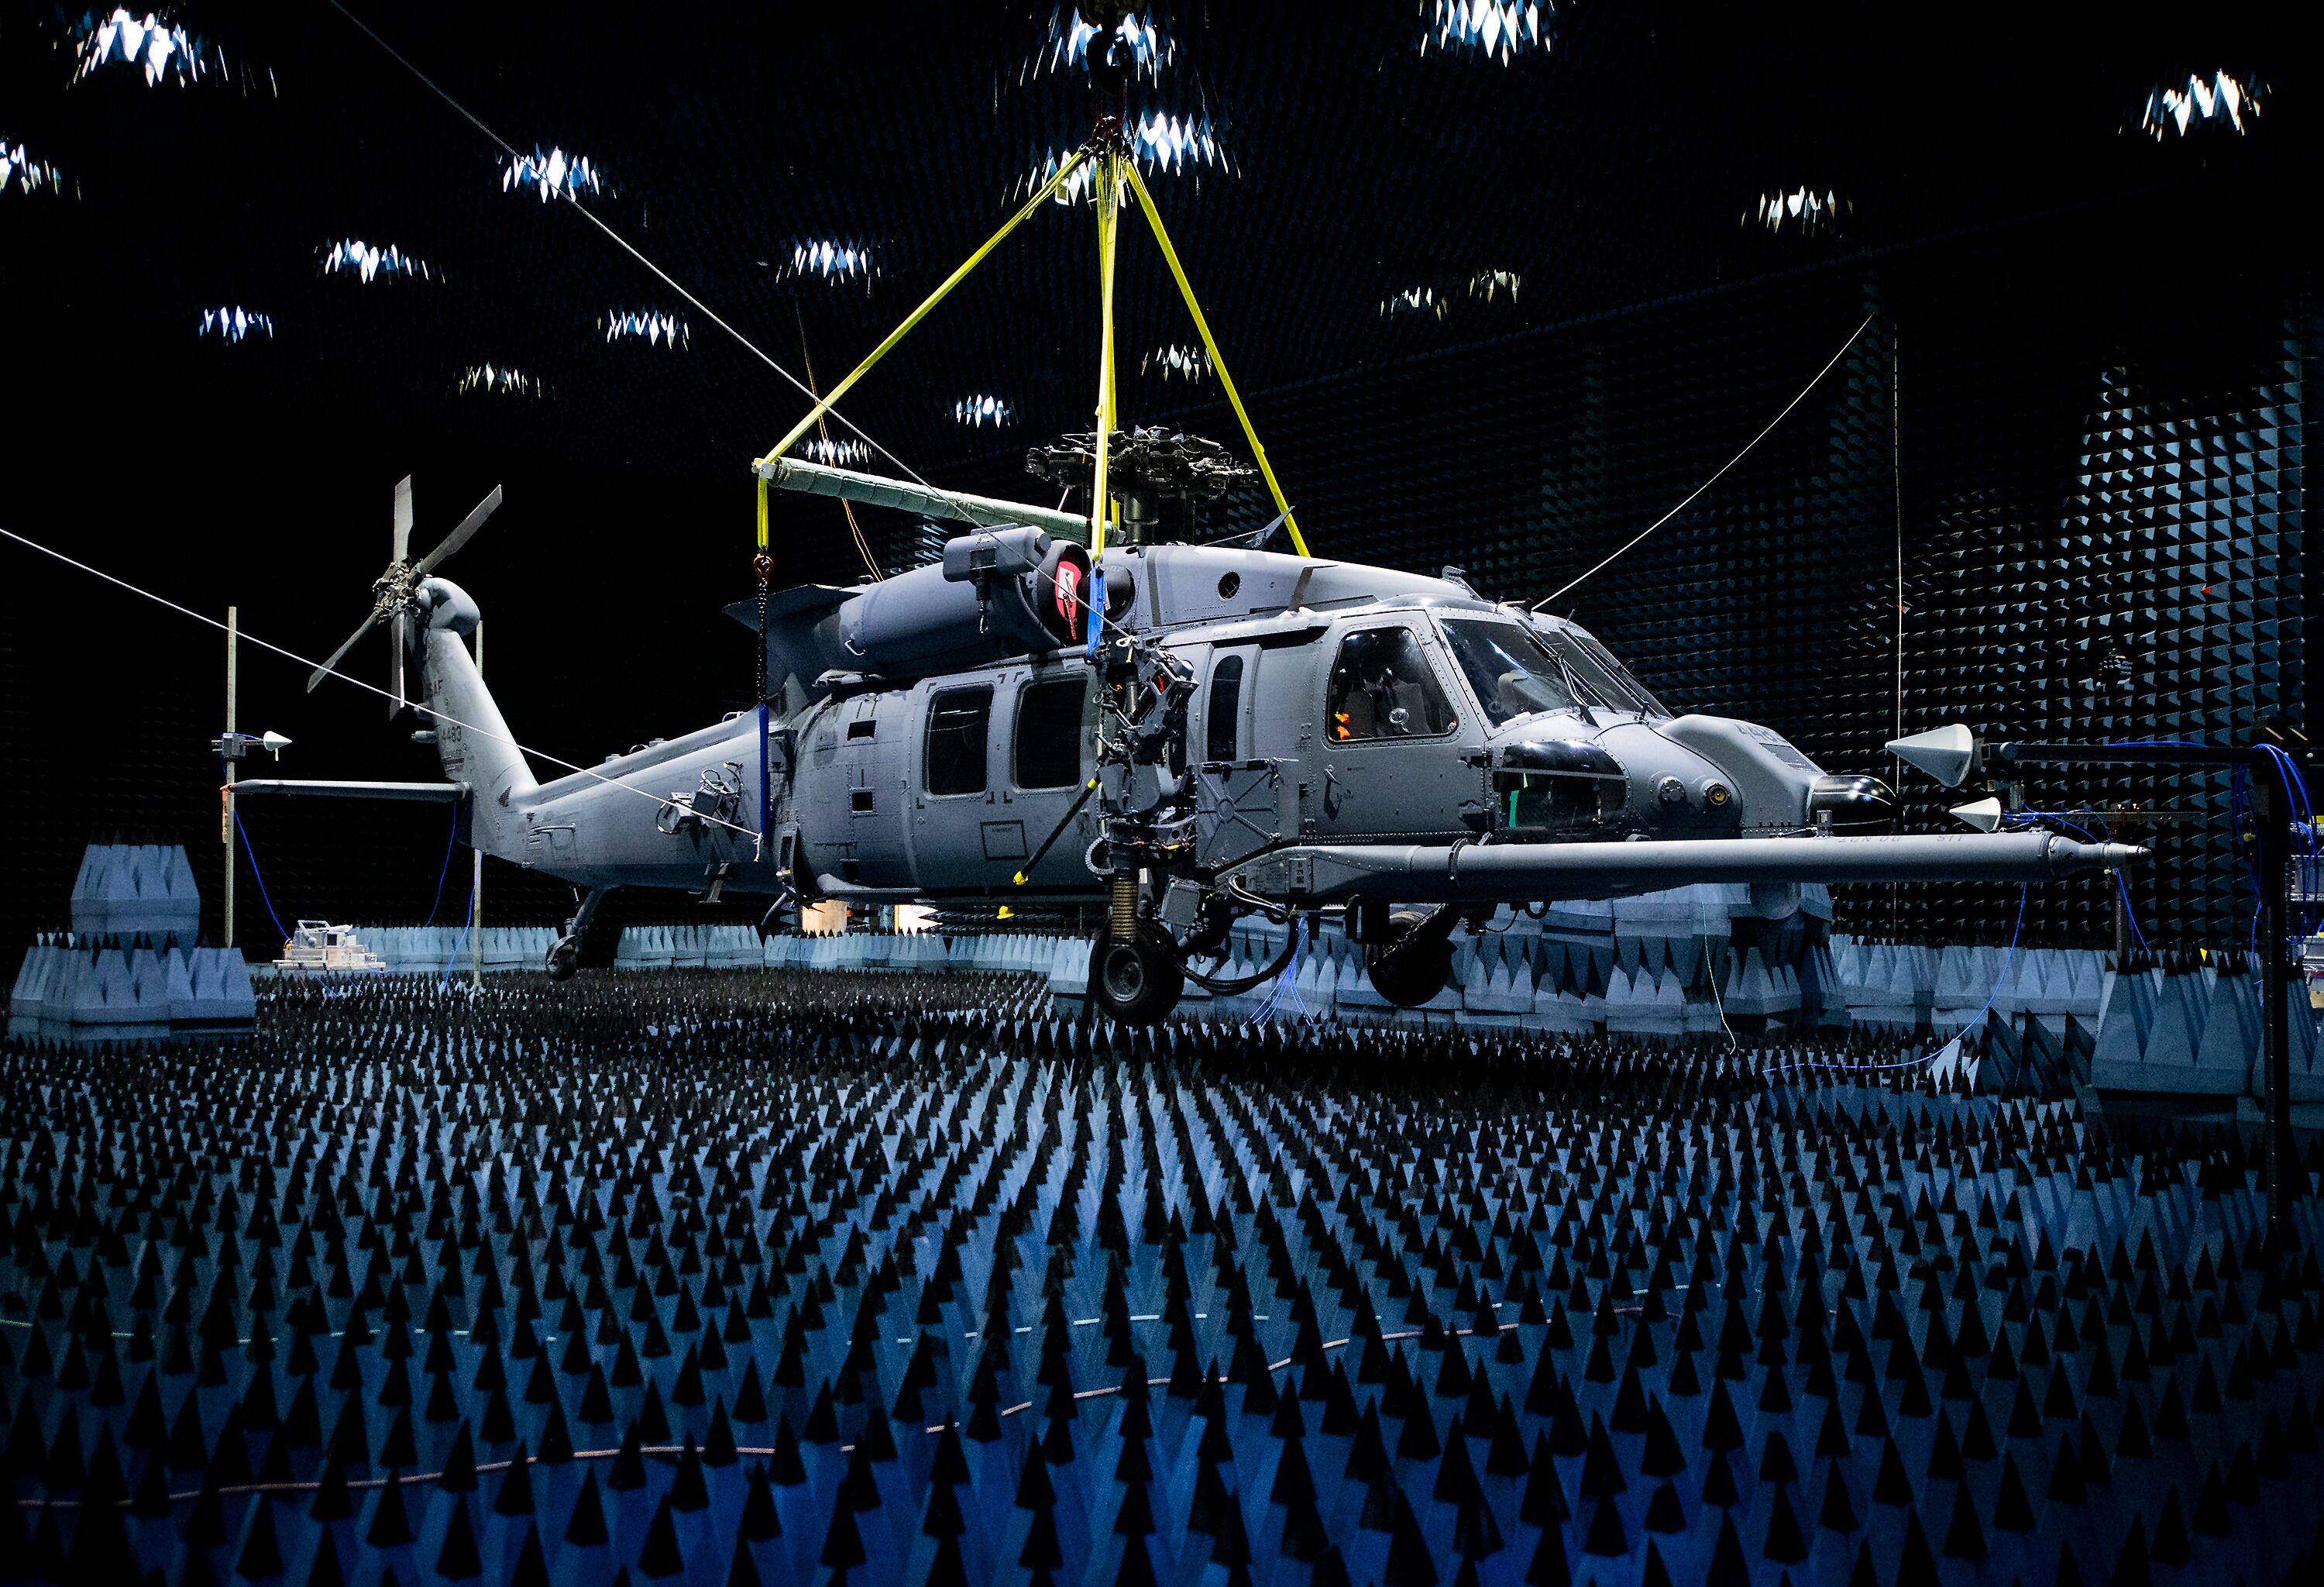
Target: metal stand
565 954
225 795
2272 812
476 897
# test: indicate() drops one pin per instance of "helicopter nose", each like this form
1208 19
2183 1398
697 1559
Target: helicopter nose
1846 801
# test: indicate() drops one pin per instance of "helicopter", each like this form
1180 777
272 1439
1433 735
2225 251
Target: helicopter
1223 731
1098 708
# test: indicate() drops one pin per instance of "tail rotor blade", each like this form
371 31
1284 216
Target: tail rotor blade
326 670
460 536
403 519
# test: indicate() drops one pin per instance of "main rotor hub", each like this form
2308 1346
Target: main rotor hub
1145 467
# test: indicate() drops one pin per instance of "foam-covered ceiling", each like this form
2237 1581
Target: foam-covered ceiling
1351 185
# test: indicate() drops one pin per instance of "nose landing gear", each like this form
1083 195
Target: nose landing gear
1137 980
1413 960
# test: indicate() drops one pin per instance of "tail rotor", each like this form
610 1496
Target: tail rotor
392 592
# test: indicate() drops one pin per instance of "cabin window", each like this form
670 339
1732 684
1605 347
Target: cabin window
1383 687
959 720
1223 718
1048 744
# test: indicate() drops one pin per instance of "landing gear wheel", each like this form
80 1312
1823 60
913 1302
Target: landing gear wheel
1406 972
564 958
1137 982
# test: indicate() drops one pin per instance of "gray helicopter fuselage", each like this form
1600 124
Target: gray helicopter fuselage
1331 703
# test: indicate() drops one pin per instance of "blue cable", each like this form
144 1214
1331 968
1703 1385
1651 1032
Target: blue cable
254 876
1275 993
1291 980
2121 885
2239 800
2305 813
460 942
1289 977
2241 814
451 839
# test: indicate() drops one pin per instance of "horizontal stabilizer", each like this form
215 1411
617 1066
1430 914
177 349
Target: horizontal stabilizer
794 659
440 793
799 600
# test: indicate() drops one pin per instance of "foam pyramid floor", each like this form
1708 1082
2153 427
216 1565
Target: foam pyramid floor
789 1278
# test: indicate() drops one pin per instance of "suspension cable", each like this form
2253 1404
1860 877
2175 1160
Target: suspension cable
823 432
1814 382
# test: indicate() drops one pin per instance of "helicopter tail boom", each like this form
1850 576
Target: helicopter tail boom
471 739
1326 873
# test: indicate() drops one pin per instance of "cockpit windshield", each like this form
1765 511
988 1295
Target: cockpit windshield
1511 672
1516 670
1599 673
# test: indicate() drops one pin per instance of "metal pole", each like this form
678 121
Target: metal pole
2272 808
2272 817
226 797
476 897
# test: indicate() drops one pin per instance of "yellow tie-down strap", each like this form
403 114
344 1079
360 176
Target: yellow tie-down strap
825 403
1211 346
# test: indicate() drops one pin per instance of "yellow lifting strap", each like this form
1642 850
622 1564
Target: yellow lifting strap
824 404
1209 345
763 511
1108 215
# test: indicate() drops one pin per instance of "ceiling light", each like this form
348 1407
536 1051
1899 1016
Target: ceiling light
833 261
981 410
2220 99
1158 142
653 328
156 48
553 173
1413 301
487 377
370 263
1070 39
1496 29
234 324
21 171
1802 209
1489 284
1175 362
843 452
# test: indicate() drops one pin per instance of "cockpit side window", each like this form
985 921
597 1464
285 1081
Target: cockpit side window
1383 687
1510 672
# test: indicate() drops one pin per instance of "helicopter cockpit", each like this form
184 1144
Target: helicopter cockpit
1521 670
